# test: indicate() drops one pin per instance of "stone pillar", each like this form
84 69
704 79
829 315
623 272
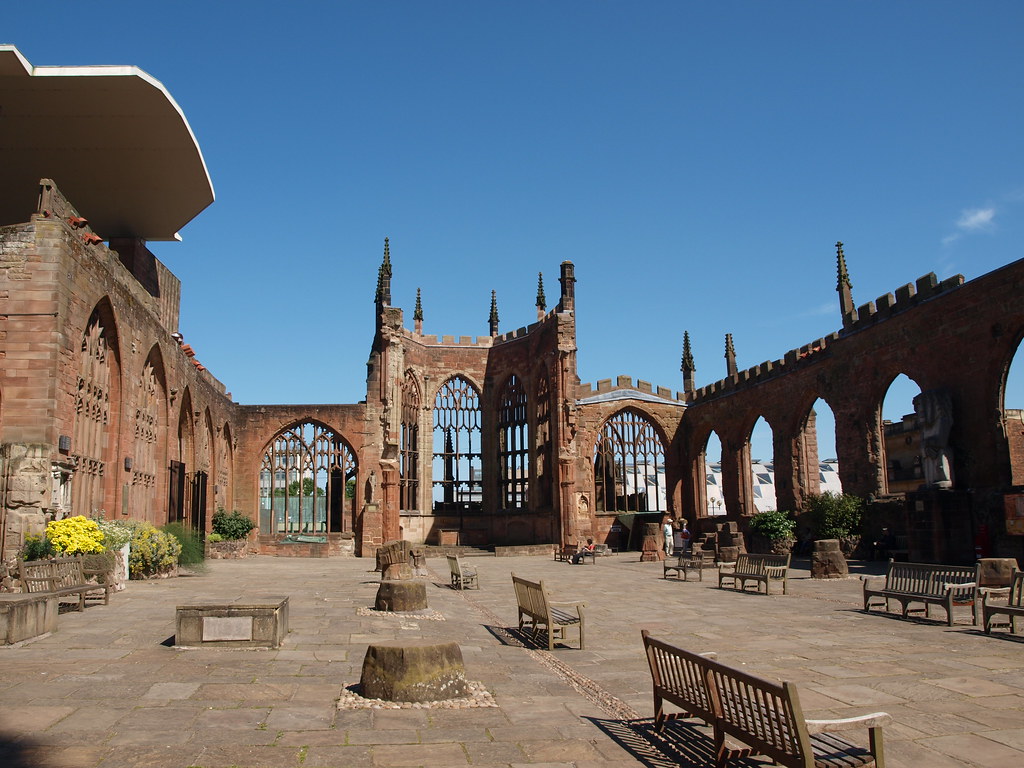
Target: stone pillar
827 561
652 549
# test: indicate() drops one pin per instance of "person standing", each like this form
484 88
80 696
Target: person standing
685 538
667 530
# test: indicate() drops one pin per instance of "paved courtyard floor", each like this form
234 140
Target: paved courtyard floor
109 690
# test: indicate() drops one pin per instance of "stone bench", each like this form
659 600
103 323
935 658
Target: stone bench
26 615
259 622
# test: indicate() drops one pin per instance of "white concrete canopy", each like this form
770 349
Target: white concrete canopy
117 145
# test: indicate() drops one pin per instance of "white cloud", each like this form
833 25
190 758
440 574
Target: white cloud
975 219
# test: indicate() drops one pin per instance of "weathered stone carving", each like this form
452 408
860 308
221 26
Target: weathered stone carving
934 410
413 671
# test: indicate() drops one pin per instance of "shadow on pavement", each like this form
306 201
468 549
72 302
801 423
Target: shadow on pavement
682 744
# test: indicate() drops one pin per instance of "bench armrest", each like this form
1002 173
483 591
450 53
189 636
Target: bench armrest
874 720
730 566
567 604
968 585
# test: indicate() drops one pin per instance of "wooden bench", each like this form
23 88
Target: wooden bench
565 552
921 583
1012 608
751 715
62 577
463 576
760 569
690 561
537 610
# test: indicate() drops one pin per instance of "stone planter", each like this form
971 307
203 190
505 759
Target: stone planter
226 550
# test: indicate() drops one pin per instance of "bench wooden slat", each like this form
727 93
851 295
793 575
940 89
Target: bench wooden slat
536 610
760 569
925 583
763 716
1012 608
61 576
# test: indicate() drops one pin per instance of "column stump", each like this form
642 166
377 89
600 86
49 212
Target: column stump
413 671
401 595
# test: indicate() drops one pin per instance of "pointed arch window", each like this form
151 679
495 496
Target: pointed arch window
307 482
92 419
457 476
542 446
629 466
149 401
513 445
410 441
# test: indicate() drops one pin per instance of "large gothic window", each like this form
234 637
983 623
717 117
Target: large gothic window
513 445
456 466
92 419
629 466
307 482
410 441
542 446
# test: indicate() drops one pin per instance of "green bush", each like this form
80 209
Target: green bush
773 524
37 548
152 551
232 526
214 537
192 551
834 515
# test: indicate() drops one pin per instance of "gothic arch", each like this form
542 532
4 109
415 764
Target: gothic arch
513 444
94 442
409 445
307 481
629 464
457 477
149 435
225 491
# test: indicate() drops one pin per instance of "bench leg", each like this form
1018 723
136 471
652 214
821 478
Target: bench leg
877 746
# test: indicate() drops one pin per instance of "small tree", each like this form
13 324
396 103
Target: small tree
834 515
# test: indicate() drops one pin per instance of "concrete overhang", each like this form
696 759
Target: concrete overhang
117 145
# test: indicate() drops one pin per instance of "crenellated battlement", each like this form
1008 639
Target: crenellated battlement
625 383
906 297
884 307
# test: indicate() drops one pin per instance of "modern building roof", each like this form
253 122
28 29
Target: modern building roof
112 138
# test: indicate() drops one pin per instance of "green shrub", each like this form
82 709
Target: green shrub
232 526
834 515
214 537
191 545
37 548
152 551
773 524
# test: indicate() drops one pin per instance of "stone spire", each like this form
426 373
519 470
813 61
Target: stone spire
417 314
687 366
493 319
542 303
730 356
383 297
843 286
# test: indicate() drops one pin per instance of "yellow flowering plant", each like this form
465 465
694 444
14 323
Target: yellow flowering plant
75 535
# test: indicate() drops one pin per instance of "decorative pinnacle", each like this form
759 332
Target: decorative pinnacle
729 350
417 314
542 303
687 363
844 276
386 265
494 307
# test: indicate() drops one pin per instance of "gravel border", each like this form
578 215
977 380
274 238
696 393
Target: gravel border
478 696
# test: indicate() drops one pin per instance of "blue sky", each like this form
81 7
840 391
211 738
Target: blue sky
697 163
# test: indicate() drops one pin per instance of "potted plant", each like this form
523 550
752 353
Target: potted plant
777 528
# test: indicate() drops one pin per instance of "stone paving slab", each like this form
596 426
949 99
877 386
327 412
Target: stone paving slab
109 689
